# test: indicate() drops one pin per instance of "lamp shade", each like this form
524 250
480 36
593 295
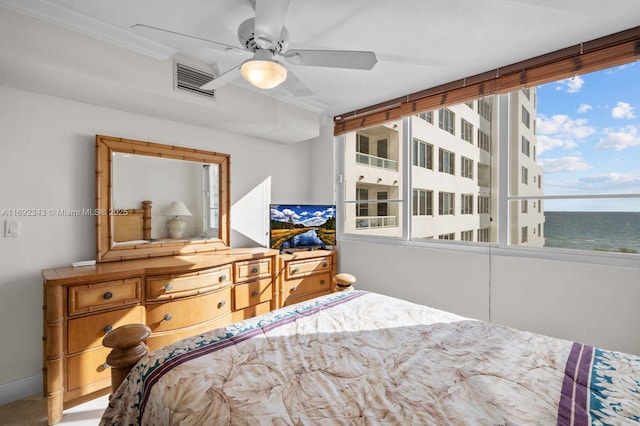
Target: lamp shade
177 208
263 73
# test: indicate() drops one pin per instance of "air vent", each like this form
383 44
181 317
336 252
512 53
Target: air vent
191 79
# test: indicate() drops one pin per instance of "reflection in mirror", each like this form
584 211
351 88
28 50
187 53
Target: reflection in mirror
165 181
143 186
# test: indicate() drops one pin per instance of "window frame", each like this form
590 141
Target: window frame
620 49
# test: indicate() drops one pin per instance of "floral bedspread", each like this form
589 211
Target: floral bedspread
358 358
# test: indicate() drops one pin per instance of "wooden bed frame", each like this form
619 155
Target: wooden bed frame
128 346
135 225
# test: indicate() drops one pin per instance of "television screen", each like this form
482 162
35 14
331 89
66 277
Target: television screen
302 226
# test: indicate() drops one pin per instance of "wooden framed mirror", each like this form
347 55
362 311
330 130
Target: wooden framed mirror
159 200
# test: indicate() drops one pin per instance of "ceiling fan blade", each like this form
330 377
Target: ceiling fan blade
222 79
353 59
149 28
269 21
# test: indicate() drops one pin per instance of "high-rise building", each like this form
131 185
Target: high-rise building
453 152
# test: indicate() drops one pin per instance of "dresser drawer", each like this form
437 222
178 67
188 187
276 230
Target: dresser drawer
166 287
158 340
251 311
299 268
87 332
251 293
104 295
252 269
189 311
87 367
309 284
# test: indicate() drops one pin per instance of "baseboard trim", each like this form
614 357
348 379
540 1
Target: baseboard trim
19 389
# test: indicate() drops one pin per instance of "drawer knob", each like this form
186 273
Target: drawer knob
168 287
168 317
105 366
294 288
255 293
108 295
322 282
107 328
295 270
221 304
222 278
325 264
254 270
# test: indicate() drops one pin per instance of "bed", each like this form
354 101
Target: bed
356 358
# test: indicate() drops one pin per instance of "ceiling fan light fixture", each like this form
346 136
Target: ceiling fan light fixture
263 73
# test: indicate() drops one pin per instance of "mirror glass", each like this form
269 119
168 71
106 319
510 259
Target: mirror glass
159 200
165 181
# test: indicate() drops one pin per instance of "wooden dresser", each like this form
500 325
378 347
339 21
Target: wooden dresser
303 275
175 296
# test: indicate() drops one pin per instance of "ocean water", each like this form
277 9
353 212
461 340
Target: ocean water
602 231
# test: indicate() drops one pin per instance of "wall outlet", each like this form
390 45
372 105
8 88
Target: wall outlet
12 228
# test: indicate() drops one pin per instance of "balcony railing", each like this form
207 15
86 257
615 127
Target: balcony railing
373 161
376 222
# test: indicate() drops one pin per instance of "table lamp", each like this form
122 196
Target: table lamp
176 226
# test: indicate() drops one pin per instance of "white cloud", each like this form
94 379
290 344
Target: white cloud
570 85
627 137
564 164
584 108
561 126
605 182
623 110
611 179
546 143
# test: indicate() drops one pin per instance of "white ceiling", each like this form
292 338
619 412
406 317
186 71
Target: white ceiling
418 43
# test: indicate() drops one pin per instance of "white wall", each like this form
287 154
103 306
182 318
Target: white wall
47 161
589 303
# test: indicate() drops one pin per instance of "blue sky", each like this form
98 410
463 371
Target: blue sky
588 138
309 215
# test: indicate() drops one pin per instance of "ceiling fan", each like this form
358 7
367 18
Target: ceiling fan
266 37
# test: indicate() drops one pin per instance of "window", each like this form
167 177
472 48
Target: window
466 167
576 177
422 154
426 116
446 161
363 208
446 203
466 130
447 120
483 204
362 143
466 236
383 208
525 146
484 141
484 109
526 118
450 236
483 235
466 201
422 202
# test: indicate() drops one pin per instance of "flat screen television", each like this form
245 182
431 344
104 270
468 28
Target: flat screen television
302 226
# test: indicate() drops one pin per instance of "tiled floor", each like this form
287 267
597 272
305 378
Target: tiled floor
33 411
